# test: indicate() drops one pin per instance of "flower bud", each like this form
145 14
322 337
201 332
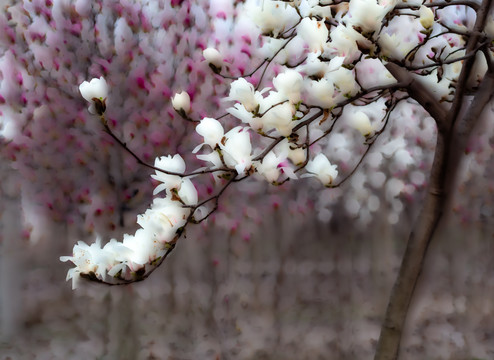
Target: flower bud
426 16
214 58
361 122
181 102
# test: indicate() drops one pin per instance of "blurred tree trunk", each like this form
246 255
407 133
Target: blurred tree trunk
454 127
11 251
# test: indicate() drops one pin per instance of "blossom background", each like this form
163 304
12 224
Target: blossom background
286 272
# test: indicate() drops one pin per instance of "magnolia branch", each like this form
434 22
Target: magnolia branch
371 142
419 93
443 62
141 162
468 64
439 4
139 275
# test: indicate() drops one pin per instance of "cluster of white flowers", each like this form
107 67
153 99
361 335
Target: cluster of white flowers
323 61
160 224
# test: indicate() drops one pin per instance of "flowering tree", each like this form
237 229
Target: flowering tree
332 72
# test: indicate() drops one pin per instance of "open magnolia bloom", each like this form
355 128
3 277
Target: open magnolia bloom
321 168
95 92
125 261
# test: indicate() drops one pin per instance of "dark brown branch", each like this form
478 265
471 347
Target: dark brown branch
464 128
281 138
440 4
214 198
143 163
372 141
420 94
441 63
364 92
271 59
488 58
466 69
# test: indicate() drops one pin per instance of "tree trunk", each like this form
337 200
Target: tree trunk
411 265
454 130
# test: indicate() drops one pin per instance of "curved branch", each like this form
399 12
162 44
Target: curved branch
143 163
139 277
440 4
468 64
445 62
420 93
369 145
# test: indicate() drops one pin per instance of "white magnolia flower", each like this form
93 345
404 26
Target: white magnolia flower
117 250
239 111
213 157
211 130
289 84
343 43
271 46
269 167
237 149
95 92
181 102
367 14
145 247
188 192
213 57
314 33
312 8
297 155
272 17
243 92
361 122
158 225
313 66
173 164
320 93
395 45
278 113
344 82
322 169
88 259
426 16
173 209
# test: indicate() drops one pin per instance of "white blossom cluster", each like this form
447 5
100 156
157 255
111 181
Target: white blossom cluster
338 55
160 225
289 127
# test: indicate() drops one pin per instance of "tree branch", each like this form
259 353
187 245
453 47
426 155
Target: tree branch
420 94
468 64
440 4
413 258
464 128
143 163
